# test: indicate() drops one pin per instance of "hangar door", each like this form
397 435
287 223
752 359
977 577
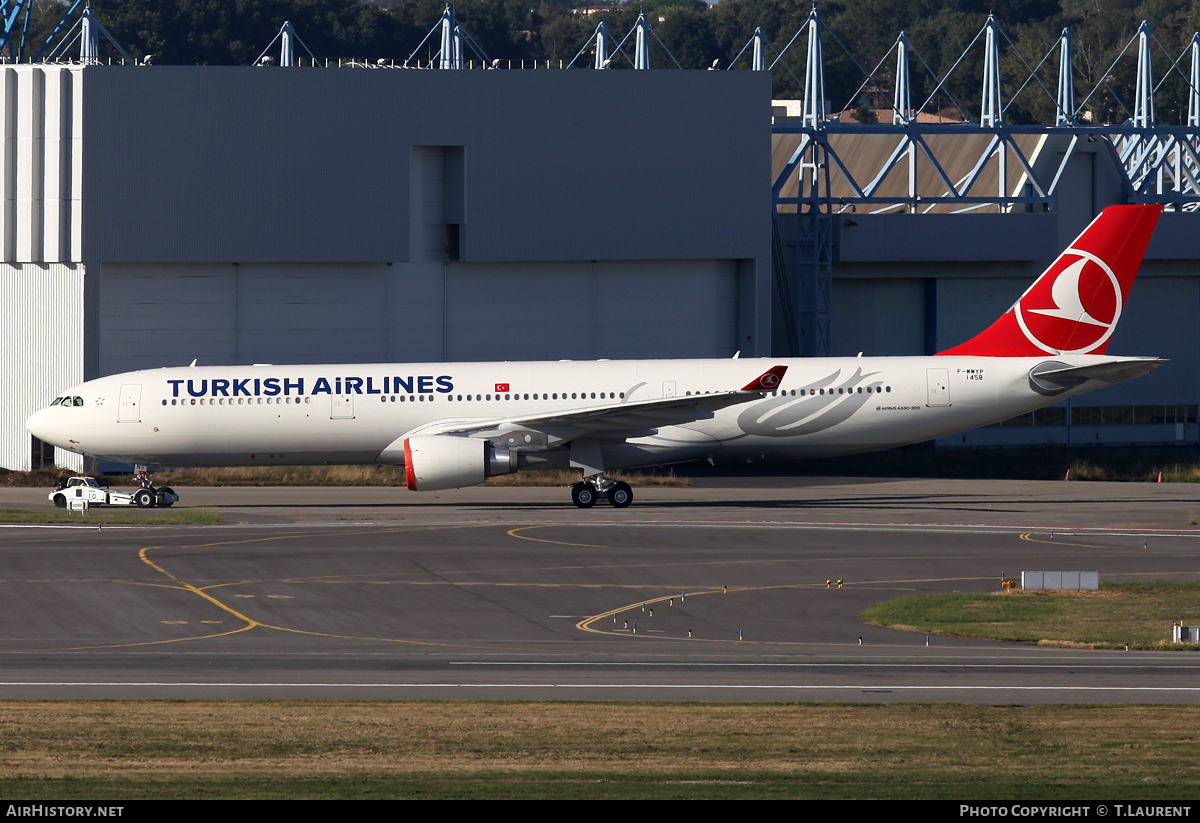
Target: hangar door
154 315
168 315
630 309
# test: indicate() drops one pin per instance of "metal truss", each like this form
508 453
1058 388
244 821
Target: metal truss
454 43
1160 164
967 166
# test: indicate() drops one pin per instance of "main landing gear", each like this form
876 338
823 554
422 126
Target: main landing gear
585 493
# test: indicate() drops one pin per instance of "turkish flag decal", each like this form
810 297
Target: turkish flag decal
501 387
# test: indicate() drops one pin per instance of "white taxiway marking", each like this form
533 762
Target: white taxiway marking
876 665
872 687
801 525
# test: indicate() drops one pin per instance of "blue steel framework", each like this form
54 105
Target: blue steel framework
1158 164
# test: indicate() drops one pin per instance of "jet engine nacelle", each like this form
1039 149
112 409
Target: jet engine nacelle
443 461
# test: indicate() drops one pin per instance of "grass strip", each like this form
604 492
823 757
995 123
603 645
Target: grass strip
115 517
162 749
553 478
1139 614
327 476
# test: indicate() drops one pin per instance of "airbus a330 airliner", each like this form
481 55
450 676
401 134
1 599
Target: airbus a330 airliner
456 424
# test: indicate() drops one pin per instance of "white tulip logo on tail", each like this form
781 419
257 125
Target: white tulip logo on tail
1075 310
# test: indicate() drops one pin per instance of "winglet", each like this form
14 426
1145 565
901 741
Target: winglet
767 381
1074 306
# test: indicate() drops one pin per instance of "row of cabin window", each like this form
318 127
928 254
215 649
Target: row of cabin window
543 396
250 401
241 401
860 389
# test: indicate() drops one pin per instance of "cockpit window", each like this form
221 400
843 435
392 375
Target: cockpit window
57 400
77 401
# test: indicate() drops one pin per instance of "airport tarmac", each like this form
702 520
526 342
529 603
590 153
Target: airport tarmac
710 592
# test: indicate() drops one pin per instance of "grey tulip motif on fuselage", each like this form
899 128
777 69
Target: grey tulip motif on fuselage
810 410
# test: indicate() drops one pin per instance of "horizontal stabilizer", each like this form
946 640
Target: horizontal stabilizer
1054 378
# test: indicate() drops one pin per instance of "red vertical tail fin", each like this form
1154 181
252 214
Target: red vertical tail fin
1074 306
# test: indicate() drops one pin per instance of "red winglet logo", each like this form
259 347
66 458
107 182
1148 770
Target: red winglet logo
768 380
1073 308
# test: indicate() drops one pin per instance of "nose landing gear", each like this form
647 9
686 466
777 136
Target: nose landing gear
147 497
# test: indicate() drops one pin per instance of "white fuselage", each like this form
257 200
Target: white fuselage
294 415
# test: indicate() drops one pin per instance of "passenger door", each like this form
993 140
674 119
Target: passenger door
939 387
130 408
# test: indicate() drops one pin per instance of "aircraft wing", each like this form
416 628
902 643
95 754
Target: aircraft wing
621 419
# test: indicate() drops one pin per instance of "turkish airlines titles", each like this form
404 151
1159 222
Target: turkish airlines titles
295 386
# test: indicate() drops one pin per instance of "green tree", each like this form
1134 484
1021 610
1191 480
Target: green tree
860 35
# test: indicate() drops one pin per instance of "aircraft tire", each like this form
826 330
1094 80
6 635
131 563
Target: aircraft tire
145 498
167 490
60 501
620 495
583 495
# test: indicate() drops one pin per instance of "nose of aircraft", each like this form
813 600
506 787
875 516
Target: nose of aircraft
41 425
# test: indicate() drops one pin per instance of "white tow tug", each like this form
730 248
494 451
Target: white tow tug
81 492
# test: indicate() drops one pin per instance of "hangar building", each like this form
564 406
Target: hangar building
152 216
